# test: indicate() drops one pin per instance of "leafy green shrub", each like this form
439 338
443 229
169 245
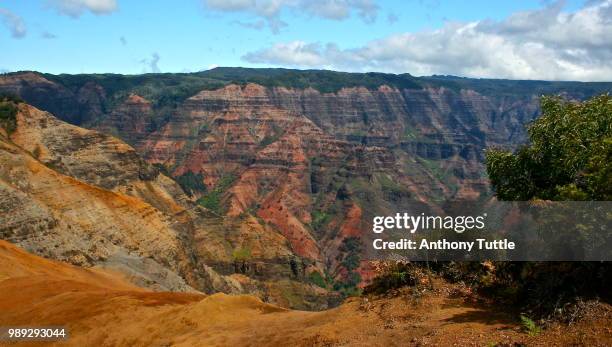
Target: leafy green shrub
267 140
163 169
350 253
393 275
212 200
277 132
391 188
529 326
8 112
319 219
316 278
349 288
350 258
192 183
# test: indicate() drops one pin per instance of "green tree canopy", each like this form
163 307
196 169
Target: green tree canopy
569 156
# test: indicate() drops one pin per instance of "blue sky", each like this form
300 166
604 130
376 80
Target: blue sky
128 36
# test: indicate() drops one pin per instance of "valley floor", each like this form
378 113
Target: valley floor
102 309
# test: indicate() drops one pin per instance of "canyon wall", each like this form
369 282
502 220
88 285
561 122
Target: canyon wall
84 197
286 176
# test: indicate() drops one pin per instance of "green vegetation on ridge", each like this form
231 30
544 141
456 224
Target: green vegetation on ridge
212 200
169 89
8 112
192 183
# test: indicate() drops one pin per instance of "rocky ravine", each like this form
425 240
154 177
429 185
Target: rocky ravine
87 198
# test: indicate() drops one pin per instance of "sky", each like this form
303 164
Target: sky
519 39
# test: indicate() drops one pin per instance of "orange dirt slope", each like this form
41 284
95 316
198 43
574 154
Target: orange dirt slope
101 309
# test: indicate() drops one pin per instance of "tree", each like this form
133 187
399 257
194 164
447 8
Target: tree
568 158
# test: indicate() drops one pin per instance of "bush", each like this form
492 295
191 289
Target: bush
529 326
394 275
212 200
350 253
546 290
316 278
319 220
192 183
8 113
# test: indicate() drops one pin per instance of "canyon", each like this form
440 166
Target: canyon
259 181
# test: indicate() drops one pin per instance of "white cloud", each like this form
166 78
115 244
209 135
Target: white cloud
295 53
75 8
543 44
270 10
14 23
150 64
